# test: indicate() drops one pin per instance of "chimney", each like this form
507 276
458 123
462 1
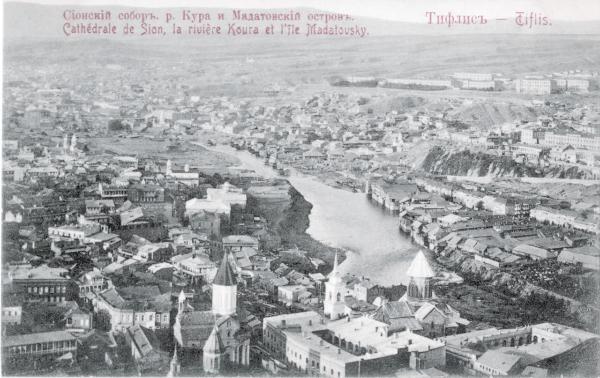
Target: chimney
283 322
339 351
309 322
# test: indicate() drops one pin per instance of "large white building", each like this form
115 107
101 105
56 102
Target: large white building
227 194
535 86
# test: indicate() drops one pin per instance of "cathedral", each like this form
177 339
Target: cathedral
220 333
418 310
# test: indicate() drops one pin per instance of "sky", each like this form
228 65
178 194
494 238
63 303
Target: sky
396 10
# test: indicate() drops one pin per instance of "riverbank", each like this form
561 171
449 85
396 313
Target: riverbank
288 220
293 226
293 231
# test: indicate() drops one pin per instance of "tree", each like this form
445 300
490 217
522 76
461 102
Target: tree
479 205
117 125
102 320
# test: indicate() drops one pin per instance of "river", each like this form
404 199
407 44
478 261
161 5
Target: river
347 220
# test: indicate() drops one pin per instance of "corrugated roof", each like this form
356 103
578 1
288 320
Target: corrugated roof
33 338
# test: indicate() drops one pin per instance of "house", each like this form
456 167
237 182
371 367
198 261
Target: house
41 283
196 266
35 350
289 294
237 242
146 351
78 320
93 281
11 313
587 256
145 193
151 312
533 252
496 363
94 207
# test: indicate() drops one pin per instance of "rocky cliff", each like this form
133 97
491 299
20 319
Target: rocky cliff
440 161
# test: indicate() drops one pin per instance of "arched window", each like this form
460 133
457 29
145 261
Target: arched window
512 342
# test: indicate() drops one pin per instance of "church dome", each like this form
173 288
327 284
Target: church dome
225 275
420 267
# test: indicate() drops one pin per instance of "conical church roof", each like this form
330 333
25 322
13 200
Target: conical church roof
225 275
213 344
420 267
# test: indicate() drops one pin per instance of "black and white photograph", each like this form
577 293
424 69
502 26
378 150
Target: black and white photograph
291 188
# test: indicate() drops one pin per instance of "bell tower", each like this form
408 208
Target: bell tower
420 276
334 293
224 290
